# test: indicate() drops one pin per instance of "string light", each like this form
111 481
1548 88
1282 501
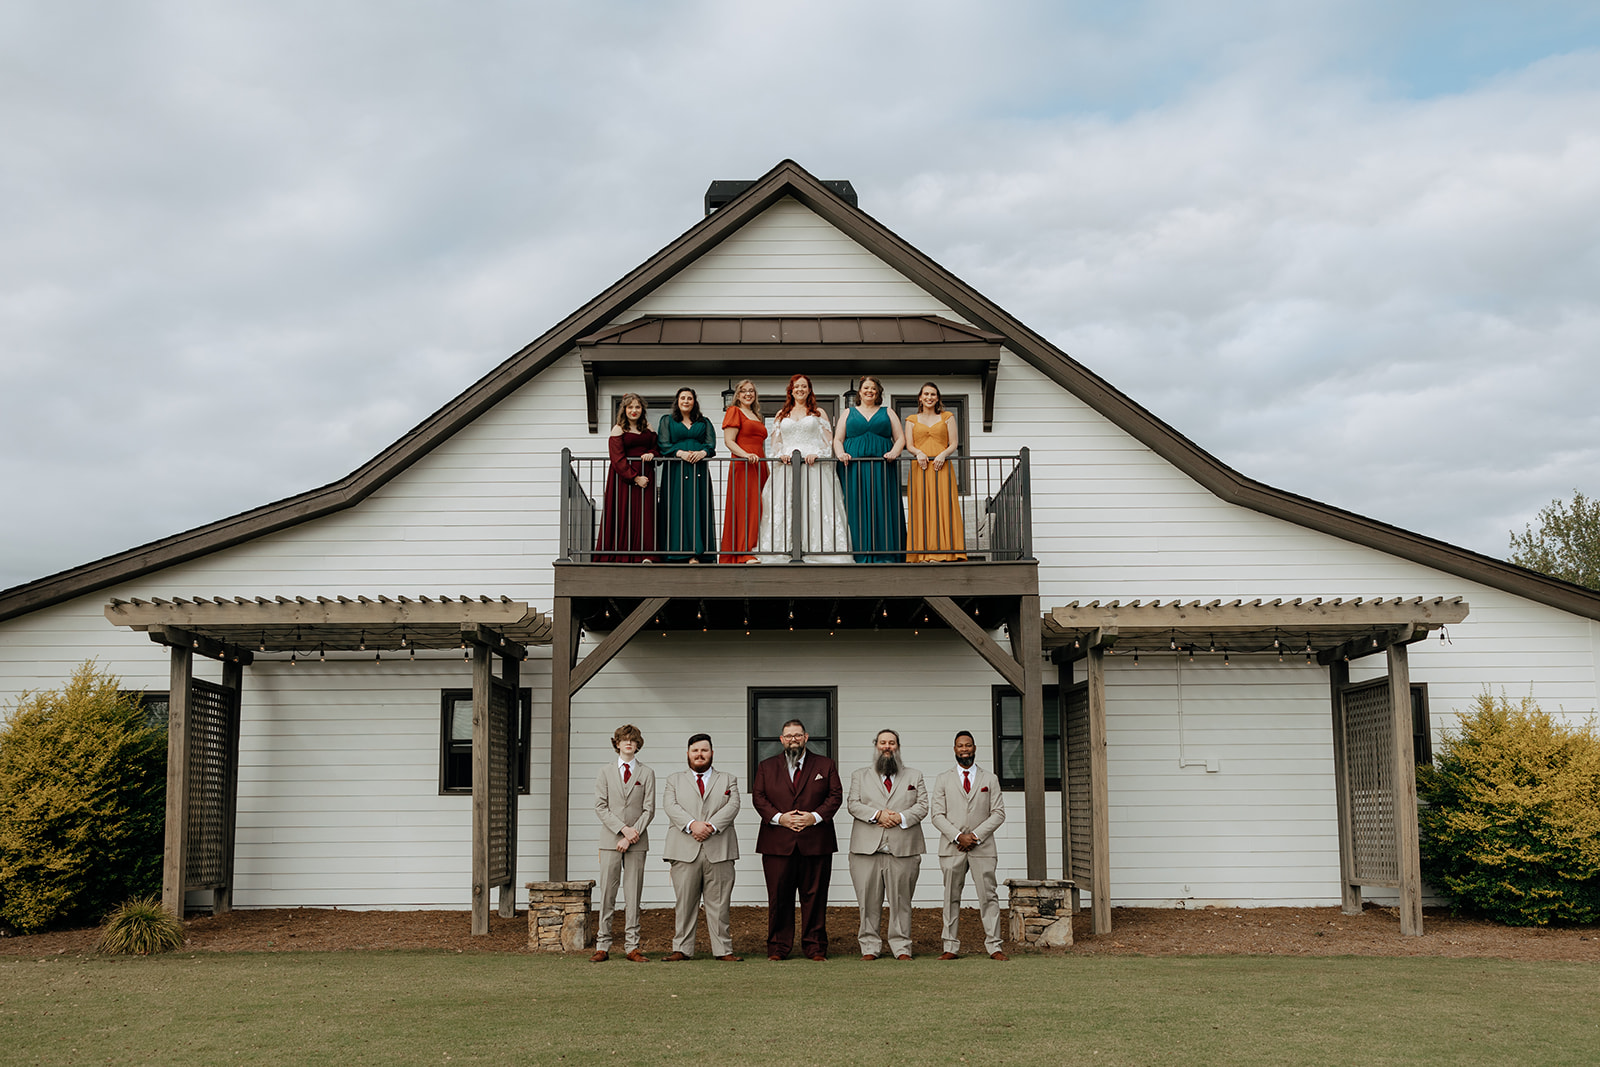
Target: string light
361 646
291 659
1136 657
322 654
1225 661
377 657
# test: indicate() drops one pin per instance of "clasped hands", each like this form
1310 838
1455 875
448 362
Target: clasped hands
796 820
625 837
700 830
966 841
889 819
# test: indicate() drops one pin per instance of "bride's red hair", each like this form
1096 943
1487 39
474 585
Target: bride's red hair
788 398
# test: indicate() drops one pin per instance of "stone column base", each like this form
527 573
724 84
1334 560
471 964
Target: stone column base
558 916
1041 912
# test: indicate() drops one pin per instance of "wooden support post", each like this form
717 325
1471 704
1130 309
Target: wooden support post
1064 694
233 680
482 681
1407 848
959 621
1349 890
563 633
1026 648
174 857
1099 796
511 674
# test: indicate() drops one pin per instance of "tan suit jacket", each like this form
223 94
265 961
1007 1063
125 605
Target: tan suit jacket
618 805
681 801
954 811
867 796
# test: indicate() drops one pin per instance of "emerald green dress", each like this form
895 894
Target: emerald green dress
872 489
686 526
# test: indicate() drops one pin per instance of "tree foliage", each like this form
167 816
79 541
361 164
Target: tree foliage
82 797
1567 543
1512 826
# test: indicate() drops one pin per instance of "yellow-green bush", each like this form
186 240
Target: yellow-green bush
1512 826
82 795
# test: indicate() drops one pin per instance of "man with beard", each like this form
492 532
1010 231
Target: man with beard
624 802
700 804
888 803
797 793
967 809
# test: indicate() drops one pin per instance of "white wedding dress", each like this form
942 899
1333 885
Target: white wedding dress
826 529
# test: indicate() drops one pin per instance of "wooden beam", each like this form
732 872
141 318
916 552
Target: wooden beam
1371 644
173 856
1349 890
222 897
176 637
1408 853
979 639
991 375
845 581
511 674
482 680
615 640
1290 616
321 611
564 633
1100 797
1025 645
476 633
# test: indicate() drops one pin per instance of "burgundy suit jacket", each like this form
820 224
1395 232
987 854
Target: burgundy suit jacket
817 788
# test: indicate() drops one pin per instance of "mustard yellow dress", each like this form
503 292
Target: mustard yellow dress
935 532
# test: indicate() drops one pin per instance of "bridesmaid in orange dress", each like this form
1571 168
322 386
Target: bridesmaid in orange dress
936 533
746 435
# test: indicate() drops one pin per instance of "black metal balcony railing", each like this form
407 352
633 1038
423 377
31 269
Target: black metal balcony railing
729 510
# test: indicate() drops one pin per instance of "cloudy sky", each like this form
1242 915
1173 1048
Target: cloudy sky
1351 248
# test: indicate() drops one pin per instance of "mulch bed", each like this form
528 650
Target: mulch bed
1135 932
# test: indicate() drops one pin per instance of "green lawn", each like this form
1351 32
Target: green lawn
422 1007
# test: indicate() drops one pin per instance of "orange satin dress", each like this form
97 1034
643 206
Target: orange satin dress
935 533
741 520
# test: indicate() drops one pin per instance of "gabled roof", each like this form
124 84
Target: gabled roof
789 179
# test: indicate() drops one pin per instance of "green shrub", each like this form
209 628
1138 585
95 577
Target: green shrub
140 927
1512 827
82 795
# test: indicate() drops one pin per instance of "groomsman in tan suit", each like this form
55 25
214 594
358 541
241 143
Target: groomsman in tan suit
967 808
624 802
888 803
700 803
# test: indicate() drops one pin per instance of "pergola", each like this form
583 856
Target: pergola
1374 769
203 718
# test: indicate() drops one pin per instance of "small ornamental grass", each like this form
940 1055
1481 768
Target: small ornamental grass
1512 826
141 927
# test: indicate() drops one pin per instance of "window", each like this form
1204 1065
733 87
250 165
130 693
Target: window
771 708
1421 725
1008 736
906 406
455 740
154 705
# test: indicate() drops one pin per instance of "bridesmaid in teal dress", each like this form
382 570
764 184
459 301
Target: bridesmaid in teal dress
872 489
687 527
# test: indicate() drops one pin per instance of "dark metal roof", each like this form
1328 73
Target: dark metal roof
789 179
790 330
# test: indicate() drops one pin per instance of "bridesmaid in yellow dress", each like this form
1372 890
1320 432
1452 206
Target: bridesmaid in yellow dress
935 533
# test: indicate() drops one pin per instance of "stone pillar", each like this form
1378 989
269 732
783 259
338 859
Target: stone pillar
1041 912
558 916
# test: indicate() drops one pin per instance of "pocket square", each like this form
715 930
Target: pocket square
985 789
727 792
818 778
911 789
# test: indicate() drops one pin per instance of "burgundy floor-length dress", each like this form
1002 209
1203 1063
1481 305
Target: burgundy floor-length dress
628 513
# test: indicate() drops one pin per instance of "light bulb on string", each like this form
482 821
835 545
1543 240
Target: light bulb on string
361 645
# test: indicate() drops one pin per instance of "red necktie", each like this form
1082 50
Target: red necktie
625 774
888 785
700 780
966 783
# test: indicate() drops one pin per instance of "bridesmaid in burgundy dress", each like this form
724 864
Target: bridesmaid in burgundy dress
628 516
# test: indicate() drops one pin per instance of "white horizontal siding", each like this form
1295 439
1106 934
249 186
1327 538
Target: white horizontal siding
338 789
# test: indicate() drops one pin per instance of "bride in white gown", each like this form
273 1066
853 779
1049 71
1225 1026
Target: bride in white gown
800 426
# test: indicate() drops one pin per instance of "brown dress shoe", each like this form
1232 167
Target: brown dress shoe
676 957
949 956
903 956
818 958
868 956
998 956
730 958
638 957
775 957
600 957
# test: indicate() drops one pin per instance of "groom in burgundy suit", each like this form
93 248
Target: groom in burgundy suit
796 794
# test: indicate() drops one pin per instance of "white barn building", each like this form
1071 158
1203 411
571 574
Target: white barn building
1180 647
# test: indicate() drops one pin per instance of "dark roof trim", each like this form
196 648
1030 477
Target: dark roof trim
790 179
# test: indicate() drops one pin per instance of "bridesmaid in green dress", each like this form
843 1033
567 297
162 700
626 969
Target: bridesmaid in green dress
872 488
687 527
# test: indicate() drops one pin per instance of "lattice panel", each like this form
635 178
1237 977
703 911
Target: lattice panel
502 705
1077 792
1368 723
210 723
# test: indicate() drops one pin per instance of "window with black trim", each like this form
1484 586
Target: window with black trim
455 740
1421 725
1008 736
770 708
905 407
154 704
